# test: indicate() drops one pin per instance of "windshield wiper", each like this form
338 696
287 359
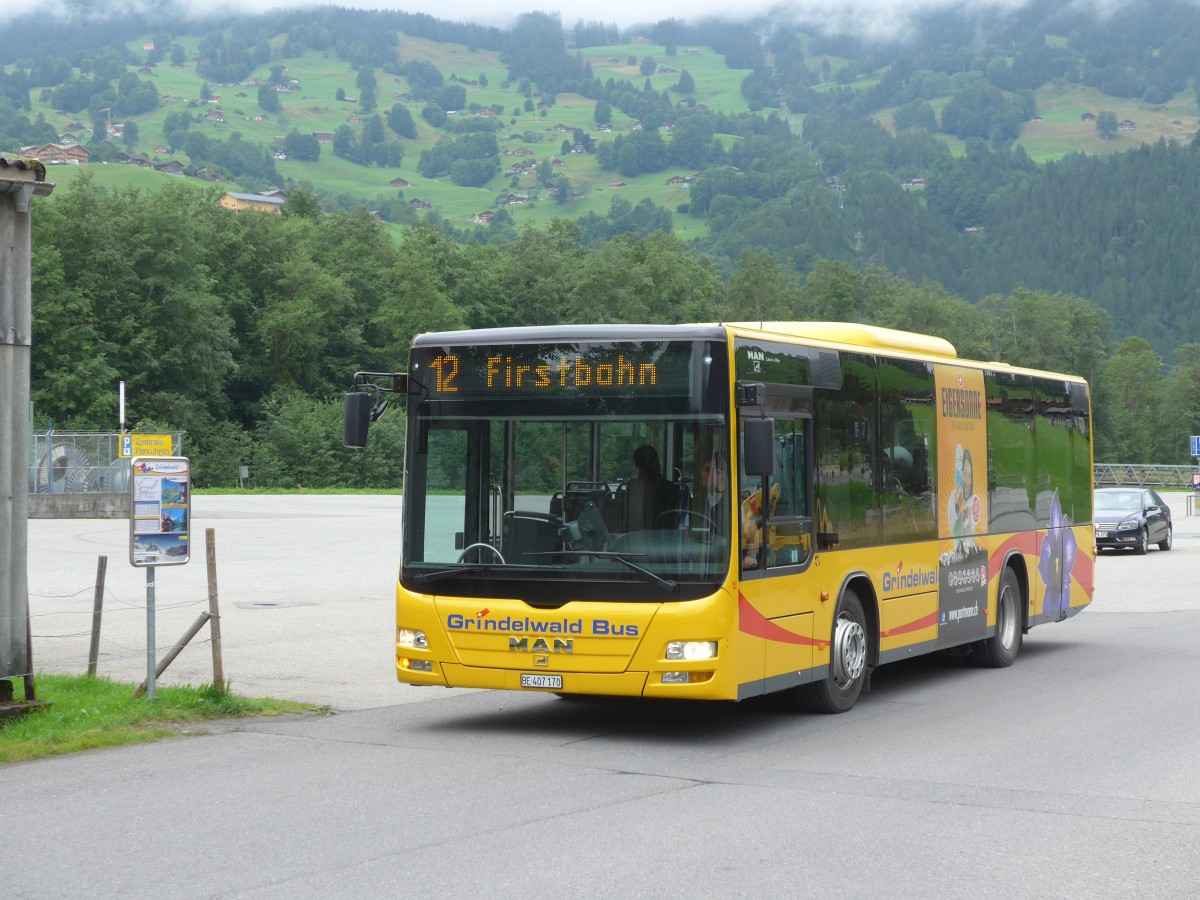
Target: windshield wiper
668 585
430 577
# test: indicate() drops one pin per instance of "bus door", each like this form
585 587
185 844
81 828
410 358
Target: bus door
777 532
777 536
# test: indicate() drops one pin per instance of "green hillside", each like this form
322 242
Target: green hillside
524 135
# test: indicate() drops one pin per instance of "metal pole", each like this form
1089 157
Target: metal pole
150 667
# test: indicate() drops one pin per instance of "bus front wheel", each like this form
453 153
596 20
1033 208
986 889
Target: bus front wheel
848 652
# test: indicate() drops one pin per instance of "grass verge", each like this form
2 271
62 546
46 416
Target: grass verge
87 713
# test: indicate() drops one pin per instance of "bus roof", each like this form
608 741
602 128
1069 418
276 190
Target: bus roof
854 333
537 334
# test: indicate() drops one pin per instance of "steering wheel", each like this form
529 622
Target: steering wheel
690 514
484 546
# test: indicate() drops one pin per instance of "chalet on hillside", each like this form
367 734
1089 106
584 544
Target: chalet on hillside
214 115
485 218
398 183
323 137
252 202
420 204
58 154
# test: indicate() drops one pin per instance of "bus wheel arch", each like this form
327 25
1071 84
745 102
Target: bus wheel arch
999 650
852 653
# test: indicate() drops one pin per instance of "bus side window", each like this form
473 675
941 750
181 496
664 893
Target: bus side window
789 529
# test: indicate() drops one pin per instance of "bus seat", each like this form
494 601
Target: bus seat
528 533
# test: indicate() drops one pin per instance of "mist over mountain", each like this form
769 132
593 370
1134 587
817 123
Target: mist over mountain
869 20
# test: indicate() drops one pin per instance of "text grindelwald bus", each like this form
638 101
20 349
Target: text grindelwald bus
717 512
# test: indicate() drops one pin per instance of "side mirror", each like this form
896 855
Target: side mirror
356 419
758 447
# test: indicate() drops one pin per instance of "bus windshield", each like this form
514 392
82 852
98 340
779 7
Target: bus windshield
574 464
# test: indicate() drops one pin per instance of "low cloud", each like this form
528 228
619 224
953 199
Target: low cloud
866 18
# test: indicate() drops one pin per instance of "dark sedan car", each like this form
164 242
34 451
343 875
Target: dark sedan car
1132 519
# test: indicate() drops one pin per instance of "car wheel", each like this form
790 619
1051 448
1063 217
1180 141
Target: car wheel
1143 542
1165 543
848 654
1001 649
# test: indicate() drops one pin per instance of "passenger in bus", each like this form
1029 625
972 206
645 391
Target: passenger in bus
716 482
649 495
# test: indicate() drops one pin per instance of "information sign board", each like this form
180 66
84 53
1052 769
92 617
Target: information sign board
1195 445
160 511
146 445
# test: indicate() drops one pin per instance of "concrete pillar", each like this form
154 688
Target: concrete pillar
20 180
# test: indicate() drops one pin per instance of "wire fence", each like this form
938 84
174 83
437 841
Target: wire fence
82 462
1175 478
122 637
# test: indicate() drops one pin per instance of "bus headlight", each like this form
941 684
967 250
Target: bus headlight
692 650
410 637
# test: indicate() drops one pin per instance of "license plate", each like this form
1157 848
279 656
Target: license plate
1101 534
545 682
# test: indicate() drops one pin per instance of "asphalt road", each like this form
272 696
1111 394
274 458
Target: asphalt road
1075 773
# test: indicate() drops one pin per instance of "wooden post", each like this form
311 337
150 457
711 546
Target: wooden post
210 541
175 651
97 608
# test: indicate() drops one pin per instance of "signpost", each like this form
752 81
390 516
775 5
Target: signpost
146 445
1195 445
160 521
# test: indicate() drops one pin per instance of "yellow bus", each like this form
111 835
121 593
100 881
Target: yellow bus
723 511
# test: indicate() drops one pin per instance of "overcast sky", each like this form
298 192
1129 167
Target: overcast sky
863 17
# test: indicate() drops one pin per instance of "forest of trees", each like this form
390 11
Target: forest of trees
244 330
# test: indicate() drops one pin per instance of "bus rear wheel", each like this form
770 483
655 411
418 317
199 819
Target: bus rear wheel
848 653
1001 649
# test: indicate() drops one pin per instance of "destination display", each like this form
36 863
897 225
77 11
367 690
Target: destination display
629 369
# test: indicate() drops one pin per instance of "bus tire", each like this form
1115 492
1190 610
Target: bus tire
1000 650
848 653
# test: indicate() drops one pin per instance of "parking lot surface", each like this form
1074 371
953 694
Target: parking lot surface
306 592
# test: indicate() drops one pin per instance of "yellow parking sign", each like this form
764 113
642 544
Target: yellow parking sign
146 445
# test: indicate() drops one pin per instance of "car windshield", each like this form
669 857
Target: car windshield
1119 501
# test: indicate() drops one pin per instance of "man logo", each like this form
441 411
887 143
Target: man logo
541 660
540 645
